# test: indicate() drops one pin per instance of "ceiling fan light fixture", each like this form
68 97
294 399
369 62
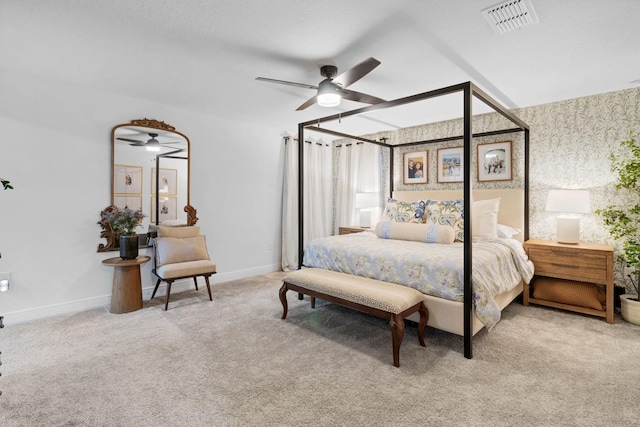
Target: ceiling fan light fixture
153 144
328 94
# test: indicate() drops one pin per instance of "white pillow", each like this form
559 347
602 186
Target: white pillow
507 232
484 217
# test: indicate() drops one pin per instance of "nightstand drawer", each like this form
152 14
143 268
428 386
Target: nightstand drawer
569 264
572 257
571 272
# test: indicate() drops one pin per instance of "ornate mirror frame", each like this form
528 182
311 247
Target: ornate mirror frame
176 145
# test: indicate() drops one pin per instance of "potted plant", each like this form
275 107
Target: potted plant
624 221
123 222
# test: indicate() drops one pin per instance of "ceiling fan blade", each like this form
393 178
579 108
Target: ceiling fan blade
284 82
308 104
136 141
360 97
357 72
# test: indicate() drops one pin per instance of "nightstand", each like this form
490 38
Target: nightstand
583 262
350 230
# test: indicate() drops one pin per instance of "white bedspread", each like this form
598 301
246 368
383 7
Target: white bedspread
432 268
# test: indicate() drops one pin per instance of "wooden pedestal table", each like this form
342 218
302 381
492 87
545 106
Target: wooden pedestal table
126 292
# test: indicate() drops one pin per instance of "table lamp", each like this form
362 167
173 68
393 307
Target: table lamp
364 202
569 202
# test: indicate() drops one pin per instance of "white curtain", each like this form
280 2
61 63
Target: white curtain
359 171
318 197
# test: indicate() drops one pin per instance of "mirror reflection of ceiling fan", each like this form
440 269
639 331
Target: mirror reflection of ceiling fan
333 88
151 144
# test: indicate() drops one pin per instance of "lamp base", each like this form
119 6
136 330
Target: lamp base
365 218
568 229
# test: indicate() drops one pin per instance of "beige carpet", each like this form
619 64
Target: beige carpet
234 362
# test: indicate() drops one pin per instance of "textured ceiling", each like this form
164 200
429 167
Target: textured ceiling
204 55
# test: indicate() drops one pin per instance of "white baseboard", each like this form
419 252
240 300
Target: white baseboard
70 307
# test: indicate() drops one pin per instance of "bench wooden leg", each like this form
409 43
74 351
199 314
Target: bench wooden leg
195 280
397 333
313 302
283 300
424 318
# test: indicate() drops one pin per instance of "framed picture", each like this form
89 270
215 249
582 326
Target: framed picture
494 161
167 208
124 201
415 167
168 179
450 164
127 179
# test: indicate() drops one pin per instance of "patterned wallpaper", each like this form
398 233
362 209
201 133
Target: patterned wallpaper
570 142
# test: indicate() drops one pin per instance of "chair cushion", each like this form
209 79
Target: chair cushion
185 269
171 250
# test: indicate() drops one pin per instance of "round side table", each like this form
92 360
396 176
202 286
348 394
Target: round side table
126 292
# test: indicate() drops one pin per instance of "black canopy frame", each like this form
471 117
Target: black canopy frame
469 91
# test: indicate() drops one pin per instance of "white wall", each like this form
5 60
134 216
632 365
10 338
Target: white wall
55 148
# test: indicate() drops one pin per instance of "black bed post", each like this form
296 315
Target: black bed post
300 194
468 293
526 184
390 171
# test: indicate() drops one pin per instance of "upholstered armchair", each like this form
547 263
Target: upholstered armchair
181 253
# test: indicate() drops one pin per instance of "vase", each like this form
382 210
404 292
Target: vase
128 246
630 309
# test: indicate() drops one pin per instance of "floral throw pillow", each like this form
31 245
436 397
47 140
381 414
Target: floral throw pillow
398 211
450 212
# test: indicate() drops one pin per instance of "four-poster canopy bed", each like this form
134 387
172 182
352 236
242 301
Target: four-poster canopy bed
516 200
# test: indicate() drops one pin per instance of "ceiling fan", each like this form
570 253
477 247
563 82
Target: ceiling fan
333 88
151 144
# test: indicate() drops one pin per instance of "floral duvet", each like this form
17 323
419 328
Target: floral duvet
432 268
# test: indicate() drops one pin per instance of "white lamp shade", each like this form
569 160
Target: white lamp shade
569 201
365 218
367 200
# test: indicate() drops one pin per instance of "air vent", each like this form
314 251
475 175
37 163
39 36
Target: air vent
510 15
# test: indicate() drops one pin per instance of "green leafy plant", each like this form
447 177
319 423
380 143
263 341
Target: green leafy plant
624 222
123 221
6 184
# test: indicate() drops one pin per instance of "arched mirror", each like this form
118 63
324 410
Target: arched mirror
150 171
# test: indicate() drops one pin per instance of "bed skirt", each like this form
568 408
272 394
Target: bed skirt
448 315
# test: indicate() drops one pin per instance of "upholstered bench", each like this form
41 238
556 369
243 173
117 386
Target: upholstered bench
381 299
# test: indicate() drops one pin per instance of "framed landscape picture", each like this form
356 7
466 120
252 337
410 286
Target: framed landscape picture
415 167
450 164
494 161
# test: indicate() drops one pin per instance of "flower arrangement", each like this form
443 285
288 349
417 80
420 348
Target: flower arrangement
123 221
